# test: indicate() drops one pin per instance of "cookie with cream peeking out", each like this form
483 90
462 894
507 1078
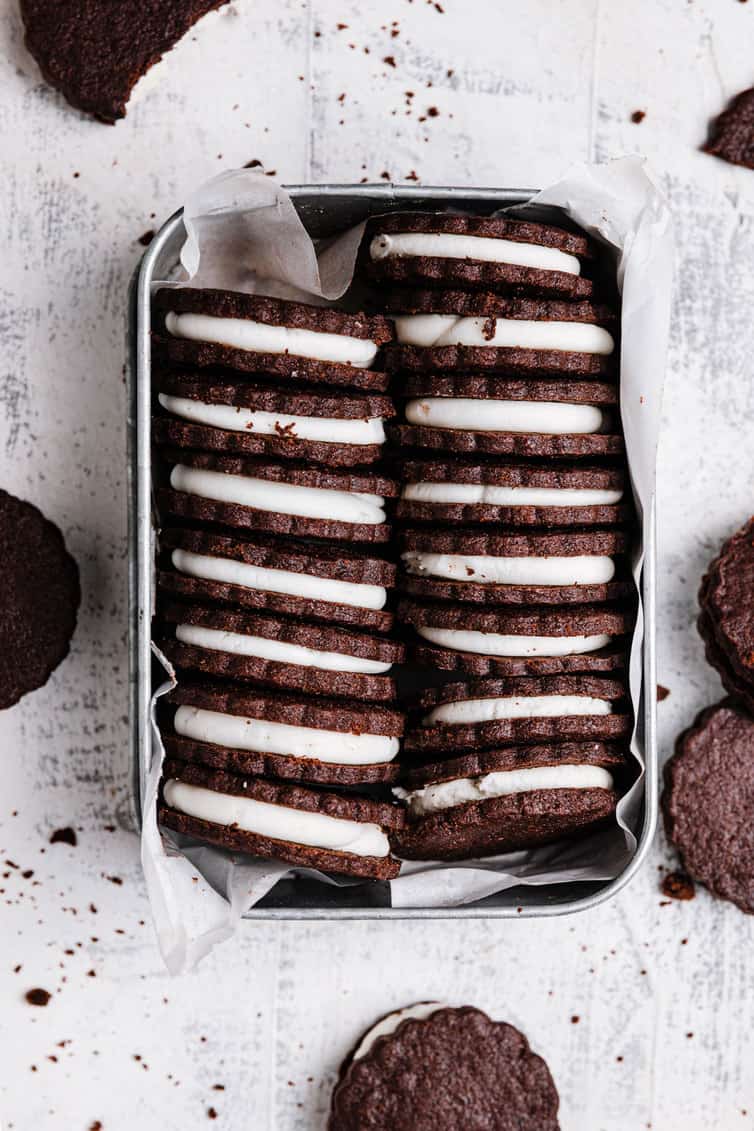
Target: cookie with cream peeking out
511 493
247 493
296 341
291 655
449 331
492 415
339 429
446 250
506 799
316 581
343 833
521 568
254 730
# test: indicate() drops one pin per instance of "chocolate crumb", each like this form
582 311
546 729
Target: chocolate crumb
432 112
678 885
96 1126
731 135
211 1113
64 836
575 1019
38 996
390 60
146 238
662 692
638 116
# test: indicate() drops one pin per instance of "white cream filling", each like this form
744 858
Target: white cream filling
480 415
325 429
281 498
306 585
481 569
479 493
258 337
512 333
387 1025
484 248
278 822
265 737
499 644
465 711
501 783
239 644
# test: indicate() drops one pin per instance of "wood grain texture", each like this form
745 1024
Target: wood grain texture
270 1016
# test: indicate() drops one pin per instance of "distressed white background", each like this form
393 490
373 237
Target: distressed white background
664 993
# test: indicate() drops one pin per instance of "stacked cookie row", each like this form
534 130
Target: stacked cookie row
273 581
512 528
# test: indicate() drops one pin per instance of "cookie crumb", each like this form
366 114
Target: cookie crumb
638 116
64 836
38 996
146 238
662 692
678 885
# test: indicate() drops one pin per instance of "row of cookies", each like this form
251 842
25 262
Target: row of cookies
512 529
270 423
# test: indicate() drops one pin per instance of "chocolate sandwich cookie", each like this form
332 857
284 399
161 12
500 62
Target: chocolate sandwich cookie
247 730
280 498
340 430
39 598
506 799
314 658
94 53
336 584
515 569
439 249
708 801
518 642
726 621
491 415
487 712
308 828
433 1068
459 492
445 331
256 334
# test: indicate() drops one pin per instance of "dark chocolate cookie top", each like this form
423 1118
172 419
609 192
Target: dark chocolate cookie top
298 474
478 763
39 598
586 620
94 53
727 596
488 227
732 133
486 387
515 687
486 304
219 390
480 542
708 802
507 473
273 312
454 1070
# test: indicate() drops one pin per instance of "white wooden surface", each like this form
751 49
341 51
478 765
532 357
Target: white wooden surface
664 994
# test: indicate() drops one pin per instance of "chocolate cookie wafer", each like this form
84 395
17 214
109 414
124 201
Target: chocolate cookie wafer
518 642
39 598
708 801
337 584
726 620
432 1068
515 569
506 799
286 654
448 331
439 249
279 498
489 415
489 712
250 730
253 419
462 491
256 334
333 832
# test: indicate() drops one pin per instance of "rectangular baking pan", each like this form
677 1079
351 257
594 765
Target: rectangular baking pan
327 210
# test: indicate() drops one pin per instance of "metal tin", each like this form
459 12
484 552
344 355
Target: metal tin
327 210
